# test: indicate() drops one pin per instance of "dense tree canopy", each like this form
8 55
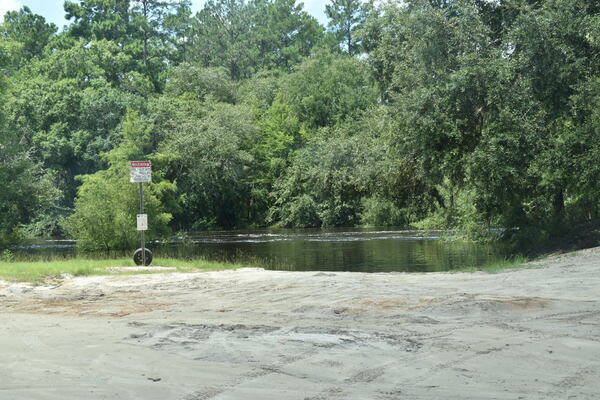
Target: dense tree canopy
474 115
29 30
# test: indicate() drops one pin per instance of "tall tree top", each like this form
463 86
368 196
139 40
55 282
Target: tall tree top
99 19
28 29
345 17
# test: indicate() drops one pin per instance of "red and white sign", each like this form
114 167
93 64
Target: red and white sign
140 164
140 171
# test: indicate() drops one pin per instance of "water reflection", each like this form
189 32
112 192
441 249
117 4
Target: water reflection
365 250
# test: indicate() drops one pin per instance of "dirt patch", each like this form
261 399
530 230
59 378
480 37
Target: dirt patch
84 308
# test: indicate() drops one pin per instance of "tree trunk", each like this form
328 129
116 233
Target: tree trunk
558 205
145 11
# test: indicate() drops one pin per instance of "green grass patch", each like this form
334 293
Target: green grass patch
39 271
496 266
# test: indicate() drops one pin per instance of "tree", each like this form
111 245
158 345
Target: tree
345 17
67 108
144 30
178 26
324 183
552 51
326 89
202 83
221 37
211 163
106 203
284 33
29 30
156 26
248 37
459 113
481 92
28 193
100 19
147 18
450 89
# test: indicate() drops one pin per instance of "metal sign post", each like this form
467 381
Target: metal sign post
141 171
142 231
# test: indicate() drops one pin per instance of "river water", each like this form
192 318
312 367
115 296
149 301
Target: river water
364 250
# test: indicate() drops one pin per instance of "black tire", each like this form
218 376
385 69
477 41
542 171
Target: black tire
137 257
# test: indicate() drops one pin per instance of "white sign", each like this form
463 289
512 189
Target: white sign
142 222
141 171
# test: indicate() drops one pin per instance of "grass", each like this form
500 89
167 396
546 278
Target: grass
39 271
496 266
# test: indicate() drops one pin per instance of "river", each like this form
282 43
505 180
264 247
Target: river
358 249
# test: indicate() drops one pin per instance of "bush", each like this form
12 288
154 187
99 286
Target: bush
381 212
106 208
301 212
107 203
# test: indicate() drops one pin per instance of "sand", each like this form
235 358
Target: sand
530 333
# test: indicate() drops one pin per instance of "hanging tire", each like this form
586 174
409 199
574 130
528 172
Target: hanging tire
137 257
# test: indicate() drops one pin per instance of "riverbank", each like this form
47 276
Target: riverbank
40 272
346 249
531 333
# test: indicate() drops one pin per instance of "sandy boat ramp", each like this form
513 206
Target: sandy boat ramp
531 333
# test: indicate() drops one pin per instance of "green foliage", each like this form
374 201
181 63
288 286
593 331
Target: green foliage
37 272
284 33
301 212
476 115
202 83
67 108
7 255
382 212
99 19
221 37
324 184
497 266
345 18
281 134
27 192
212 165
326 89
29 30
260 91
148 31
245 37
107 203
481 110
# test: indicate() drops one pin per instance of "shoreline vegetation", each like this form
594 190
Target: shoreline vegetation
497 266
460 115
39 272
